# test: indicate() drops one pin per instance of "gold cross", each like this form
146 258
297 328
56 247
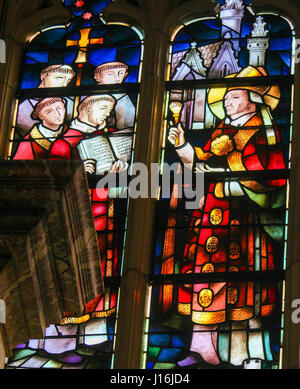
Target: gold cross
83 43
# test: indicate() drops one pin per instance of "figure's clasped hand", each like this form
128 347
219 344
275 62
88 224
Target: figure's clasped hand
221 146
119 167
176 136
89 166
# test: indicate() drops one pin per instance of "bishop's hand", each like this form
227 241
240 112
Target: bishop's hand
176 136
221 146
119 167
90 166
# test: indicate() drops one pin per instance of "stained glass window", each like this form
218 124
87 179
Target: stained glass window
78 99
76 343
217 284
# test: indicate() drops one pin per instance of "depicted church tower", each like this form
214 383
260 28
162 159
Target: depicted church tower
231 14
258 43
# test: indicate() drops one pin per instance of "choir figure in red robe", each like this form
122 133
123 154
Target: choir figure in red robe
53 76
50 112
91 124
227 236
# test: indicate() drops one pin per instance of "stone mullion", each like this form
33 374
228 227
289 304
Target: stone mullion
3 346
142 211
9 77
9 73
291 339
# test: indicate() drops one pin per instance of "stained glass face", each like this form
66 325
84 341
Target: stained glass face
68 57
61 128
218 268
77 99
86 52
204 111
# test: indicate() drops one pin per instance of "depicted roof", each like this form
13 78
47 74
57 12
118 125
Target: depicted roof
207 52
225 57
233 4
176 59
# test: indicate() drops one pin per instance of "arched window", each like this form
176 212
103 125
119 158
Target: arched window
217 285
77 99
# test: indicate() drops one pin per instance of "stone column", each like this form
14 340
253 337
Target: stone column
160 19
2 351
9 76
142 211
291 335
3 346
291 343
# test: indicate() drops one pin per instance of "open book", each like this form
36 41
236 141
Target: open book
106 149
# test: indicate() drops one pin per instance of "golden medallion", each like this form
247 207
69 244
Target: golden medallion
219 191
109 254
212 244
188 271
235 227
197 226
205 297
208 268
232 295
234 250
216 216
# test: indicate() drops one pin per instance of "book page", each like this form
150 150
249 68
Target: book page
97 148
122 144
